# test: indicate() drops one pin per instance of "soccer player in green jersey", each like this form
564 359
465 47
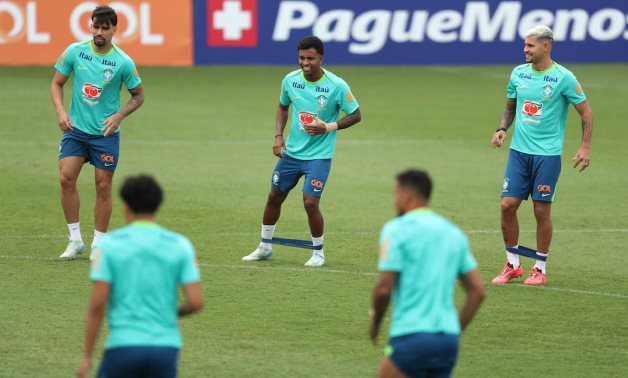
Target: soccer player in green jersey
422 255
317 96
91 129
539 93
136 272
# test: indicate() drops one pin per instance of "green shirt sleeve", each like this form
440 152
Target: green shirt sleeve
467 262
348 103
390 250
573 91
101 269
131 76
511 90
189 269
284 98
65 63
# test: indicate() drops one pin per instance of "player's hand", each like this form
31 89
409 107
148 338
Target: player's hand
498 138
582 156
316 127
111 124
83 368
279 146
64 121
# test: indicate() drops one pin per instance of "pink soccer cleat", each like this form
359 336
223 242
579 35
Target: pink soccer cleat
536 278
507 274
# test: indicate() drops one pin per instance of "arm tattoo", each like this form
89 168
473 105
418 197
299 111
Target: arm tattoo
509 113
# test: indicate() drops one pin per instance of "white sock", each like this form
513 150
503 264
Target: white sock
316 242
97 236
75 231
513 258
540 265
267 233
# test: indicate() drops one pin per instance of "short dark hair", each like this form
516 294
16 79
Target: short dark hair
312 42
417 180
142 194
104 15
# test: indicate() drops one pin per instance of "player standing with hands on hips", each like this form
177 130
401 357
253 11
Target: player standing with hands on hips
539 93
317 96
91 130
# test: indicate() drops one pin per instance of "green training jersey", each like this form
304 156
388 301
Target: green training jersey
97 83
430 253
144 263
324 99
543 99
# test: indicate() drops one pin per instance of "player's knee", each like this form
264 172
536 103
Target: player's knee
508 207
542 212
103 188
310 204
67 182
276 198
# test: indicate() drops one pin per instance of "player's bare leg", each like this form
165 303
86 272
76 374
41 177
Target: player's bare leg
273 206
69 170
387 369
510 231
542 213
317 224
272 211
102 208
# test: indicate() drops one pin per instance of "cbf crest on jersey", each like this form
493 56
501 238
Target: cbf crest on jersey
107 75
322 102
548 91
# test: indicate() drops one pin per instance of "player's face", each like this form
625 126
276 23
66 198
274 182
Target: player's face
102 33
310 62
534 49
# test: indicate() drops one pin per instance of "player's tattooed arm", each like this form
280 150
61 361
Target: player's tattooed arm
583 155
508 115
111 124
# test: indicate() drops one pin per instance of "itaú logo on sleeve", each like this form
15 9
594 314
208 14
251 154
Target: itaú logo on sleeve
369 31
232 23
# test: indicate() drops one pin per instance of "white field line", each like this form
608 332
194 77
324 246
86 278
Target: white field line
259 267
305 234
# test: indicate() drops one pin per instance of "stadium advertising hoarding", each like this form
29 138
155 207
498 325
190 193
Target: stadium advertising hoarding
152 32
406 31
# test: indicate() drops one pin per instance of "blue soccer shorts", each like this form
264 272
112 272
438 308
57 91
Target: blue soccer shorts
100 151
289 170
424 354
534 175
127 362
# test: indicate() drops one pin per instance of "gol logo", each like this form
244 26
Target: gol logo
532 109
317 184
306 117
92 91
544 188
109 160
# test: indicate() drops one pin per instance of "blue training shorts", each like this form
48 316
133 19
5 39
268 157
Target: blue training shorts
154 362
424 354
289 170
102 152
531 174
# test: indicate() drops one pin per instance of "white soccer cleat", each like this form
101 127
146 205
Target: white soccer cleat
74 247
260 253
316 260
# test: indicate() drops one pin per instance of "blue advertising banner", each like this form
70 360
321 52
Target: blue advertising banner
406 31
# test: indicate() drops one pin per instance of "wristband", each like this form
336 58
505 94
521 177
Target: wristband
331 126
281 135
501 129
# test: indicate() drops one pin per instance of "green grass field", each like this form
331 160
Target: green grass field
206 133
